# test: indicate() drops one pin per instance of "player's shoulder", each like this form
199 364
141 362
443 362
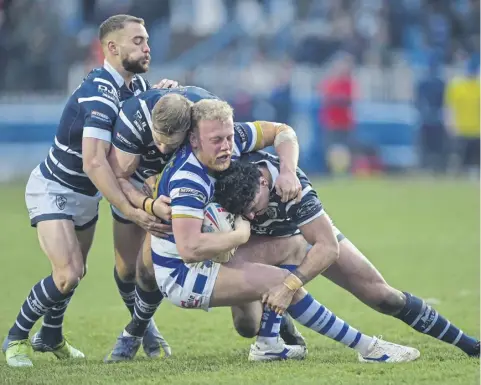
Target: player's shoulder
188 171
260 156
99 82
194 93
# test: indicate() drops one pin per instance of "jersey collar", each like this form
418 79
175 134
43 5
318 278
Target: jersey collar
112 71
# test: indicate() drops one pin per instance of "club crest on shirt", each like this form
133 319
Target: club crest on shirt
60 201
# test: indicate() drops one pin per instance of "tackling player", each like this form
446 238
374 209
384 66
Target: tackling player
184 271
246 189
150 127
61 193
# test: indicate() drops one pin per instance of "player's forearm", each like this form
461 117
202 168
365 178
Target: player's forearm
100 173
134 195
206 246
287 148
317 260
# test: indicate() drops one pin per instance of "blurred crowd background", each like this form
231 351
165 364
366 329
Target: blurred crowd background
369 85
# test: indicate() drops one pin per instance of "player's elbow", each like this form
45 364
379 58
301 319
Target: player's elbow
188 252
329 251
332 251
93 163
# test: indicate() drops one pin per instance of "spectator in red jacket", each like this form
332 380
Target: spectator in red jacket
336 115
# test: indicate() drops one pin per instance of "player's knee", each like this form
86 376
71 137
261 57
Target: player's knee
146 278
67 279
126 272
246 328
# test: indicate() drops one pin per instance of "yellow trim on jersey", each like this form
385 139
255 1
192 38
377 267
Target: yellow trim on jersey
258 126
185 216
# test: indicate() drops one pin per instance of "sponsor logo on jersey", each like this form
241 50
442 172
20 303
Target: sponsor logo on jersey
108 92
139 121
100 116
271 212
124 140
190 192
242 132
308 208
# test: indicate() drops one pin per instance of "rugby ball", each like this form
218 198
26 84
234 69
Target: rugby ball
217 219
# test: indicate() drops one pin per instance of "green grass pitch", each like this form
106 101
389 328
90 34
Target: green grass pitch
422 235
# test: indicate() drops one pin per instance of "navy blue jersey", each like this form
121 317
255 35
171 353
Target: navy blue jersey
91 112
284 219
133 130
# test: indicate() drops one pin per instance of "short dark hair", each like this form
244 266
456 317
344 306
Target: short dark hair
116 22
237 186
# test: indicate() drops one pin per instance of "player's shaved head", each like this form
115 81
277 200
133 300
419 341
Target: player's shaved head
171 115
116 23
211 109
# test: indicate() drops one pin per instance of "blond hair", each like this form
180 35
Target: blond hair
211 109
115 23
171 115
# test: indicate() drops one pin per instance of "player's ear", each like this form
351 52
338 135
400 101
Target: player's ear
113 48
264 181
194 140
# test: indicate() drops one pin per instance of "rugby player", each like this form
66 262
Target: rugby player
246 188
185 272
150 127
139 150
61 194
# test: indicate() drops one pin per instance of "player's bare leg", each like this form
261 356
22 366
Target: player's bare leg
271 251
58 240
353 272
142 328
243 281
288 252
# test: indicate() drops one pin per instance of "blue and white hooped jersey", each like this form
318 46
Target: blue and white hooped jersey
132 132
284 219
90 111
187 182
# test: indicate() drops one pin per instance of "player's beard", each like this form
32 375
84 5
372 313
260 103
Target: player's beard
139 66
214 165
